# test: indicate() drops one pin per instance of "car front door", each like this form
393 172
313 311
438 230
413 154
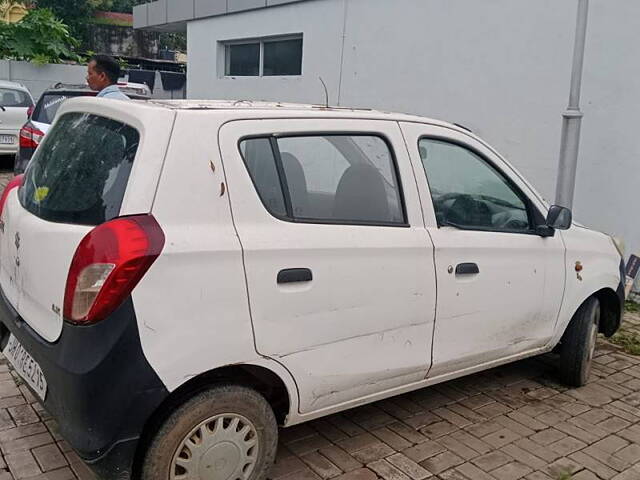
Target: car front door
500 284
338 263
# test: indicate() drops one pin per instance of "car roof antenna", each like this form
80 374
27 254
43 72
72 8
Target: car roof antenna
326 93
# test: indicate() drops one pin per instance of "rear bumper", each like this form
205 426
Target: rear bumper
101 389
8 149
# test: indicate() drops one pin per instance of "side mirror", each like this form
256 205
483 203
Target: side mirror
559 218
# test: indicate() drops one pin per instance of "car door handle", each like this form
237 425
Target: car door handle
294 275
467 269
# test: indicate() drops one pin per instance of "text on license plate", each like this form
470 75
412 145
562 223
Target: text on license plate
26 366
7 139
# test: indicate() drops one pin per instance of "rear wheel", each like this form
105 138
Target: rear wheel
579 343
224 433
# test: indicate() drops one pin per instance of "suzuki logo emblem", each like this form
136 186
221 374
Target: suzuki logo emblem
17 241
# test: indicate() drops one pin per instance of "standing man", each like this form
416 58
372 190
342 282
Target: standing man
103 73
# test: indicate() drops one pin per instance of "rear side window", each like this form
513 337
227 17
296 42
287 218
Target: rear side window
49 104
346 179
80 172
14 98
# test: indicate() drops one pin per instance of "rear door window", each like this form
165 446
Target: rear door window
14 98
49 104
345 179
79 174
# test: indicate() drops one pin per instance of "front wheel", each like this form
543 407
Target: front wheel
227 432
578 344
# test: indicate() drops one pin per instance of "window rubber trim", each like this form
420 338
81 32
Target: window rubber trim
284 185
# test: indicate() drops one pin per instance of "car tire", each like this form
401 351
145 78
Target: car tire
578 344
226 432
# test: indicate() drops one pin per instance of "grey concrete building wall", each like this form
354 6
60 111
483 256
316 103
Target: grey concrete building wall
37 78
501 67
322 24
171 14
608 178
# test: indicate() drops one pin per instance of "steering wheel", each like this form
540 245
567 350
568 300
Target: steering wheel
467 211
516 224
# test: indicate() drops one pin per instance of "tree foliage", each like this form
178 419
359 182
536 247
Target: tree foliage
39 37
123 6
76 14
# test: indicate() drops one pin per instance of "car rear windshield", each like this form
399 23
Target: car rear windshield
80 172
49 104
14 98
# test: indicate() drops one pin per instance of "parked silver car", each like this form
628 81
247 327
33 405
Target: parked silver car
15 100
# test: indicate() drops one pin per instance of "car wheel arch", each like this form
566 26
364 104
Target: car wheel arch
264 380
611 310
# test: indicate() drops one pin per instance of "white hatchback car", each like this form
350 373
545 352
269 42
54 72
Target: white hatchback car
184 276
15 101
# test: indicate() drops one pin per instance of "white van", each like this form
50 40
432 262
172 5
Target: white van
184 276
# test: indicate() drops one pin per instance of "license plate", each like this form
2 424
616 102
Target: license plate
7 139
26 366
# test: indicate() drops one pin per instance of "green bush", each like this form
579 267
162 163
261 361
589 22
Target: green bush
39 37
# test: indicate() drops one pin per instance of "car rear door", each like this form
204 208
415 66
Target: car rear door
339 266
78 179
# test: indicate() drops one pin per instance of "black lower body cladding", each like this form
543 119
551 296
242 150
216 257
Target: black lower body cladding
101 389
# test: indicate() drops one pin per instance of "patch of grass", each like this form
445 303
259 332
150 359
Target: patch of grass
631 307
564 476
630 342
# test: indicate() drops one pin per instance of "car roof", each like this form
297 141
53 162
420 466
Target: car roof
297 109
83 87
251 109
14 85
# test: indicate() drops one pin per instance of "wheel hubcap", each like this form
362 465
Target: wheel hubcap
592 340
223 447
593 337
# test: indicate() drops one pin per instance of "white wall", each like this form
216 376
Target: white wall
37 78
500 67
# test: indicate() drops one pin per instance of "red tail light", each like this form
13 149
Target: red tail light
30 136
108 264
16 182
30 111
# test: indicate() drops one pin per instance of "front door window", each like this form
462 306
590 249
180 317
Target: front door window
469 193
